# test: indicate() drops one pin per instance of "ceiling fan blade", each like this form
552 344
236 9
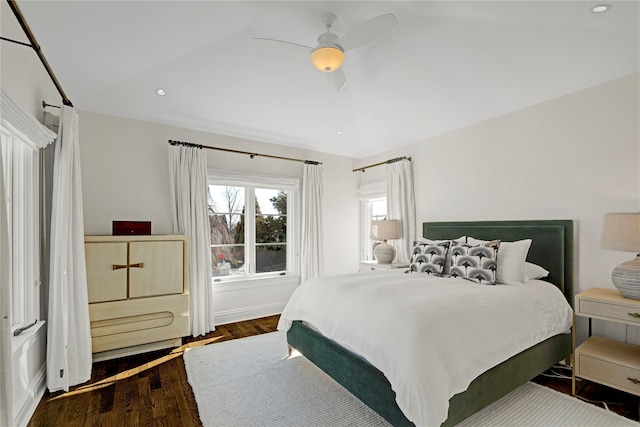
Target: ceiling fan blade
368 31
283 41
337 80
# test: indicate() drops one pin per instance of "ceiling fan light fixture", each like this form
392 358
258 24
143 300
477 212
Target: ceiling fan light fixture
327 58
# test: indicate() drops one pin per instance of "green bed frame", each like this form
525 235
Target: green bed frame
552 248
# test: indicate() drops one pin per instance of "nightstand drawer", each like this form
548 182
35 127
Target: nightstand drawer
607 310
607 373
611 363
373 265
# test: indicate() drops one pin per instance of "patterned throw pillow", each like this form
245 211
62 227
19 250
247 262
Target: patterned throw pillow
478 263
447 263
429 258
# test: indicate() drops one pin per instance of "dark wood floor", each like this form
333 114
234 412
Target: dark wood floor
152 389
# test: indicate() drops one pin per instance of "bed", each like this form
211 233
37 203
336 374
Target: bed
551 247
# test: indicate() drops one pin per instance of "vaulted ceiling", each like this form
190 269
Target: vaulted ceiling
445 65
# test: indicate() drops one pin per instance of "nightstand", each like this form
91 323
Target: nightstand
612 363
373 265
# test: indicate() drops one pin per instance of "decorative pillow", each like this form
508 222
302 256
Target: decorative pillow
478 263
533 271
447 262
511 258
429 258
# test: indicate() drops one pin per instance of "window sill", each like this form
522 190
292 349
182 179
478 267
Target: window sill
233 284
26 337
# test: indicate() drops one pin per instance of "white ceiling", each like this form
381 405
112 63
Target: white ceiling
445 65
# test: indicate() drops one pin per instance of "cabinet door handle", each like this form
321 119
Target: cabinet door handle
119 266
634 315
634 380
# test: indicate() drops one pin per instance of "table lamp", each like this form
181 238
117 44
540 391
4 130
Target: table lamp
621 232
384 230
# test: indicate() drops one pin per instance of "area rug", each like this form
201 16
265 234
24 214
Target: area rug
252 382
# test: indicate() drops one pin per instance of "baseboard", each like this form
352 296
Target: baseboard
248 313
36 392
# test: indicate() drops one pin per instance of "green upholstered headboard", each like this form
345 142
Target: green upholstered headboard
551 247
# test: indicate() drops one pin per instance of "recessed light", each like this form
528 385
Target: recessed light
161 92
339 132
600 8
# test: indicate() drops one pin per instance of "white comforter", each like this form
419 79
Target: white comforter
430 336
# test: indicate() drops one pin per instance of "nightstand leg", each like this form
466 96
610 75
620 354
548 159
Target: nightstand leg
573 356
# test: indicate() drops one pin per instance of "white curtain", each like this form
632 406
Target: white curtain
23 122
6 377
68 333
311 251
401 205
247 179
189 190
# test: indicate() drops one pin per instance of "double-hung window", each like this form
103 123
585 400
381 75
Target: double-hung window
253 227
20 167
373 206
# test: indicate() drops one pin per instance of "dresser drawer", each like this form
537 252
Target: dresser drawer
612 363
608 310
120 324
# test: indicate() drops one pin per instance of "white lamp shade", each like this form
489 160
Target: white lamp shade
327 58
385 229
621 232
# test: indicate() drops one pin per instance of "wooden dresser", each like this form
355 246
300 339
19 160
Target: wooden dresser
138 293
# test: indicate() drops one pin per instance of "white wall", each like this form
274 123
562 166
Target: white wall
575 157
125 177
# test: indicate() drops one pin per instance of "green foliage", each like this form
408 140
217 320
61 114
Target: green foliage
269 228
280 202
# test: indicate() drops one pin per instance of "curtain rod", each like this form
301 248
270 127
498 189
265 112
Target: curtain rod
35 46
45 105
252 155
397 159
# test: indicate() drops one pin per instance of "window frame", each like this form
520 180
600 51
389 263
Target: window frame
21 161
368 194
250 183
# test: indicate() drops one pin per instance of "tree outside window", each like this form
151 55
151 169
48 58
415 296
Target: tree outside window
248 230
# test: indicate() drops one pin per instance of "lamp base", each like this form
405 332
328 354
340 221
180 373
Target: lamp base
626 278
384 253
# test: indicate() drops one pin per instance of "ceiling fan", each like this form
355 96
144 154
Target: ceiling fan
328 56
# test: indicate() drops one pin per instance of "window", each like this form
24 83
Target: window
372 209
251 230
378 209
20 165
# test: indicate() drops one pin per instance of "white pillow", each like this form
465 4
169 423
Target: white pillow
447 262
511 259
533 271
